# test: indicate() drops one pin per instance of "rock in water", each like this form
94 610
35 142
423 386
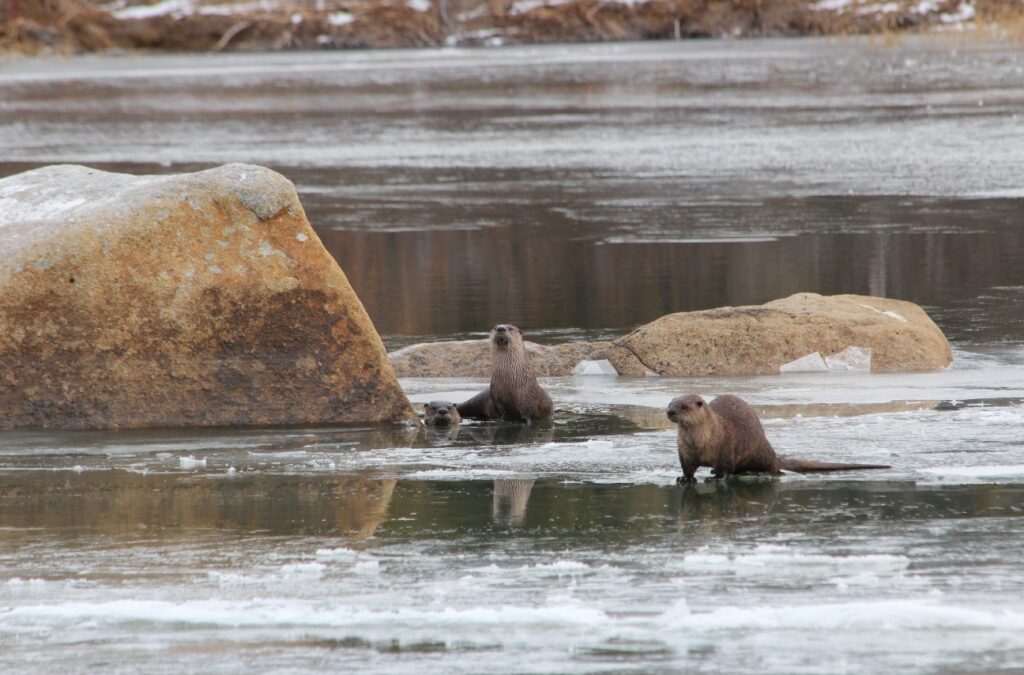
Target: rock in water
757 340
186 300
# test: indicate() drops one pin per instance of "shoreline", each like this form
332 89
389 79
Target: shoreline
69 27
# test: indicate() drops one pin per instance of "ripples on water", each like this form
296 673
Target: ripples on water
578 191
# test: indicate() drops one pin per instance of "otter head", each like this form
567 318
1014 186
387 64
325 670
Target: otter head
687 410
441 414
505 335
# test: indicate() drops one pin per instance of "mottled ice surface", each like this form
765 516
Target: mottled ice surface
561 547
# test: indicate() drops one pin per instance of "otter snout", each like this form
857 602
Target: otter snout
502 334
682 406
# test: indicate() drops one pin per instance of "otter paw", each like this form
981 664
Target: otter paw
685 480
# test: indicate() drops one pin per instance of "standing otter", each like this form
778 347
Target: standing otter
727 436
441 414
514 394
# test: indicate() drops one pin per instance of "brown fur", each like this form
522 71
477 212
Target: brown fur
441 414
727 436
514 394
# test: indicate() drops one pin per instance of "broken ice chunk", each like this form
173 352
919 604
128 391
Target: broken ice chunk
850 360
192 463
601 367
812 363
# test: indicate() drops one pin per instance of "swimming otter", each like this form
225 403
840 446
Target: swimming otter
441 414
514 394
727 436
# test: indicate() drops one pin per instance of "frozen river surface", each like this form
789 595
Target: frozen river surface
578 192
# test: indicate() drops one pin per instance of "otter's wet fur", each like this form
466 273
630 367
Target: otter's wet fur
514 394
727 436
441 414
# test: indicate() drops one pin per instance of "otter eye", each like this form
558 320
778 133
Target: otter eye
700 403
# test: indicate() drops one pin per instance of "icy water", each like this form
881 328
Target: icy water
577 191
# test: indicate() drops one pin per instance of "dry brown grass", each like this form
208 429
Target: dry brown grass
76 25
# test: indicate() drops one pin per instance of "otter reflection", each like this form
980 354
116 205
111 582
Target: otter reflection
720 503
505 433
509 502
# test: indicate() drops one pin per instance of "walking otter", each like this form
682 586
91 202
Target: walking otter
441 414
514 394
727 436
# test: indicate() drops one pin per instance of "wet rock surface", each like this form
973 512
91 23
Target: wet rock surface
200 299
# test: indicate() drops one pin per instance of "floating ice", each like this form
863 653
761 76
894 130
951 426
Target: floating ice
599 367
851 359
366 567
796 562
345 554
191 462
311 569
812 363
980 474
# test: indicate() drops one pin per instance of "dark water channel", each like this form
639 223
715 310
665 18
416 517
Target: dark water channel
593 187
576 191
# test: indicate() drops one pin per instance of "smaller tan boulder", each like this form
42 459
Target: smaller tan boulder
757 340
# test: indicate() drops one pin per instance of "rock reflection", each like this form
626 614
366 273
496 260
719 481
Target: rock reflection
510 499
121 502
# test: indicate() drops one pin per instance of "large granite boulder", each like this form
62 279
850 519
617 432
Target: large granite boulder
897 336
187 300
472 358
758 340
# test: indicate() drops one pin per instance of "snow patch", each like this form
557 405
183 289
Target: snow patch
339 19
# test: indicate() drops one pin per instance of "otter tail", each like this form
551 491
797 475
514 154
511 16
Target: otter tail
811 466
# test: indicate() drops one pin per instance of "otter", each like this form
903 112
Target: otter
727 436
514 394
441 414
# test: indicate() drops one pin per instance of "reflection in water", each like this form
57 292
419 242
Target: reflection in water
726 502
356 506
555 273
510 499
121 502
510 433
594 187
